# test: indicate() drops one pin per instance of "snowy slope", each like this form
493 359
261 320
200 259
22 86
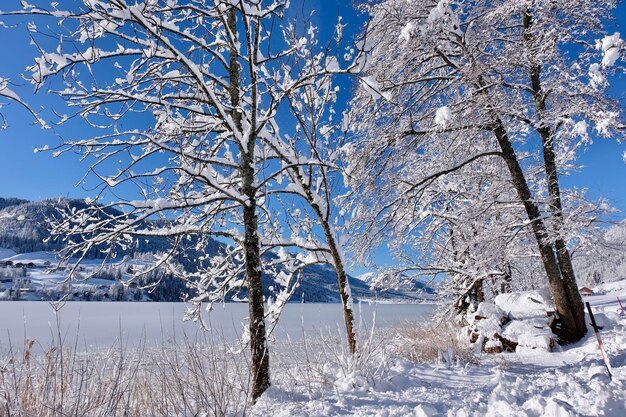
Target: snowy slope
6 253
37 258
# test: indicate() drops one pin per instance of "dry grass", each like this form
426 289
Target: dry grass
432 341
203 377
172 380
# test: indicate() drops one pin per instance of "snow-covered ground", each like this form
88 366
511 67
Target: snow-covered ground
570 381
6 253
312 375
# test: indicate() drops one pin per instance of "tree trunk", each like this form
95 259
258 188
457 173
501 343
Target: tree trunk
556 208
342 277
565 308
478 292
562 252
259 353
505 284
260 367
344 288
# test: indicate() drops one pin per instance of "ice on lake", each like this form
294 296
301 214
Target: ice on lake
88 325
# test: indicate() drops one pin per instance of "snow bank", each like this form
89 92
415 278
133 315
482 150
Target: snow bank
6 253
514 322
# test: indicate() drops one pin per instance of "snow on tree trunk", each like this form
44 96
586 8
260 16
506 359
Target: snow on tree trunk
260 367
555 205
564 306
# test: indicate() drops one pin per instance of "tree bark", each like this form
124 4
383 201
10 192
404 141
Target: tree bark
259 353
562 300
505 284
546 134
260 367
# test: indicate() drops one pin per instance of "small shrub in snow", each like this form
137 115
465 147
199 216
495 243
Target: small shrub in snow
322 364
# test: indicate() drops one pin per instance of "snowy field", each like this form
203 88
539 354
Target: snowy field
312 375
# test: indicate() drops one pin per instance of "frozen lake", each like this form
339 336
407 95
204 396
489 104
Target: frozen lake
102 324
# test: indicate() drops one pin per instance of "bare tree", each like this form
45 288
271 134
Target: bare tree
485 79
210 79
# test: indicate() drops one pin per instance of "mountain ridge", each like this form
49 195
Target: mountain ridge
23 229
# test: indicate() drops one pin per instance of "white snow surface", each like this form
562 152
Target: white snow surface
443 116
524 304
35 257
570 381
6 253
489 309
489 326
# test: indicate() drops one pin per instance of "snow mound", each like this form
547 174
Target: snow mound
524 305
6 253
490 310
520 322
529 335
488 327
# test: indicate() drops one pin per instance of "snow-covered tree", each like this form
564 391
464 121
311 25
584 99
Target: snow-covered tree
213 82
515 85
603 258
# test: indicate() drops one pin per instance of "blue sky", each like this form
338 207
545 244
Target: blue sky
25 174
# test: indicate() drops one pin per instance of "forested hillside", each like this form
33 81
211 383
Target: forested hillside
24 228
605 261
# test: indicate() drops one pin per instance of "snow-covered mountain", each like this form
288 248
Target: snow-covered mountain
24 226
24 240
605 261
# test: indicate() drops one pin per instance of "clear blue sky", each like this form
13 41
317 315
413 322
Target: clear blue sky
33 176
